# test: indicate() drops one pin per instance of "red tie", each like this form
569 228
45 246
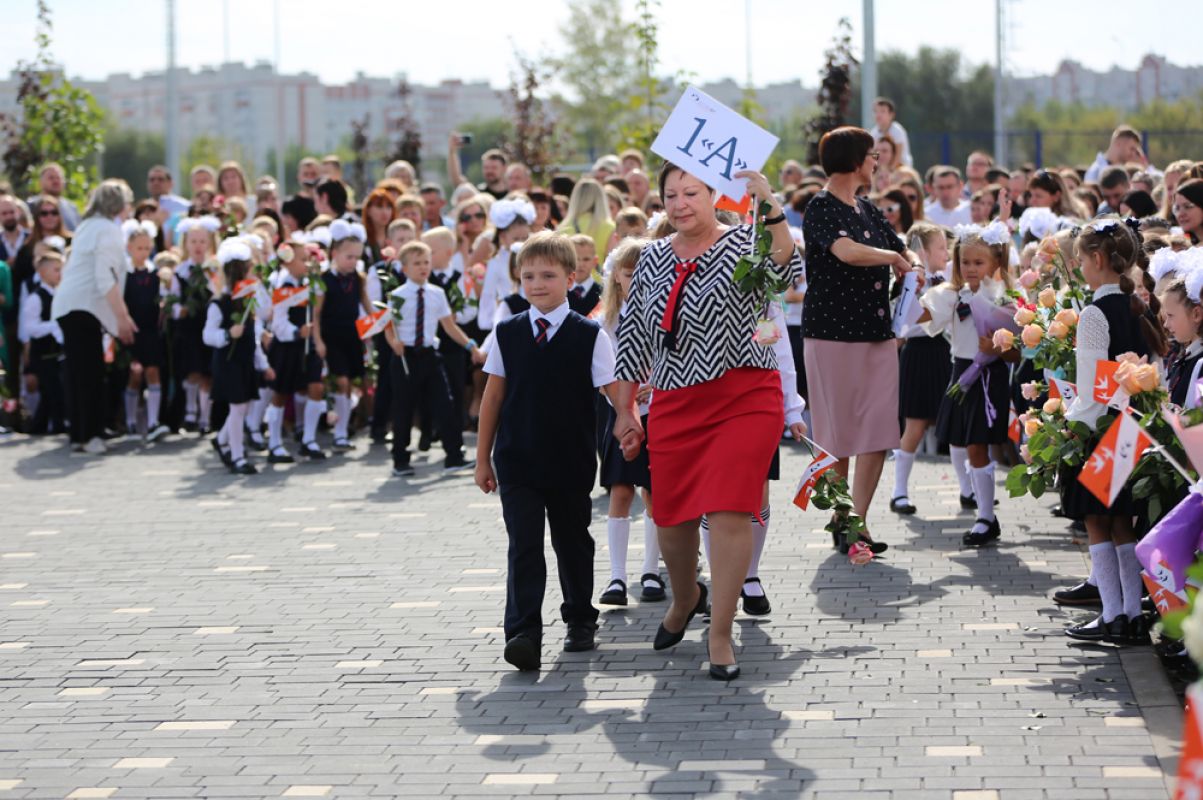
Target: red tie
543 324
668 321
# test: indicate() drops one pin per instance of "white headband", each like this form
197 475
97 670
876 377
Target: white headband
319 236
1039 222
132 227
993 234
504 213
342 229
208 222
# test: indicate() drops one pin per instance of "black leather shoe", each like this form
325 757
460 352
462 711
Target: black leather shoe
902 505
243 467
652 594
523 653
968 503
724 672
282 457
1116 631
1084 594
666 638
579 638
222 453
1136 632
614 595
980 538
756 605
312 452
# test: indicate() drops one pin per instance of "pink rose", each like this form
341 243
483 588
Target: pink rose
389 253
1029 279
1025 454
1003 339
1025 316
1030 391
860 554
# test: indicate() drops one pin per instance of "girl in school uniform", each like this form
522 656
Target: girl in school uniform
237 359
295 362
511 220
336 339
1183 316
622 478
191 286
979 254
143 298
924 367
1113 324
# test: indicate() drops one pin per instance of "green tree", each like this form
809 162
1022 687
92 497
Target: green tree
56 121
835 91
129 155
599 70
533 139
211 151
486 134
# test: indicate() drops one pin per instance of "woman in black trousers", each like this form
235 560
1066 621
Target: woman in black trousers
89 300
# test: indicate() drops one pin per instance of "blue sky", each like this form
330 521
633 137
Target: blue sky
472 39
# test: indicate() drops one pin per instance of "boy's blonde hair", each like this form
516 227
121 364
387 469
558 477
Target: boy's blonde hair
583 240
166 259
49 257
624 256
410 249
400 223
440 234
549 246
631 217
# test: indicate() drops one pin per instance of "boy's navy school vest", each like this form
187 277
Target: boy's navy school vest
587 302
516 303
342 298
546 435
44 348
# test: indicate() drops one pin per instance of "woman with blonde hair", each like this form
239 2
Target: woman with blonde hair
589 213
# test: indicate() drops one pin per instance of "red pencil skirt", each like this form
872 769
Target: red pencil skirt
710 445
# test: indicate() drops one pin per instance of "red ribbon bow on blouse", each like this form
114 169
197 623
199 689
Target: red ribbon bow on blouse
668 321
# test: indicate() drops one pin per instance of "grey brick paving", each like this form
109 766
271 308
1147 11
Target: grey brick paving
338 628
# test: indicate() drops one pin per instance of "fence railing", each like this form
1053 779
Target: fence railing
1049 147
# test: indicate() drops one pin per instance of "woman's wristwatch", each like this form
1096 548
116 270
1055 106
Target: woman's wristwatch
777 220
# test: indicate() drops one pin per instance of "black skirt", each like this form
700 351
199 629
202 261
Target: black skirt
294 370
148 348
192 354
1078 502
924 369
235 379
615 469
344 353
963 421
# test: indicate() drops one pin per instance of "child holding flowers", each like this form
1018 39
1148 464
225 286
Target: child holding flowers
1107 328
974 413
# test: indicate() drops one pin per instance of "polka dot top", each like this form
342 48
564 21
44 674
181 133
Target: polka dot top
846 303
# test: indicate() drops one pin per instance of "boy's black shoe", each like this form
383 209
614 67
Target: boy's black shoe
1084 594
614 595
523 653
402 471
979 538
454 463
580 638
755 605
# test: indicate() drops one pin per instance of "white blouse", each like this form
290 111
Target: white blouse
942 303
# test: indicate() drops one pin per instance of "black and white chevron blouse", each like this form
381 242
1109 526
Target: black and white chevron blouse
716 320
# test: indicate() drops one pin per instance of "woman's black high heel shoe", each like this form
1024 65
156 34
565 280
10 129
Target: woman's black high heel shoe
875 548
666 638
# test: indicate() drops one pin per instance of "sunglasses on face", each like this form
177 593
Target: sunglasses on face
48 212
912 198
470 217
892 208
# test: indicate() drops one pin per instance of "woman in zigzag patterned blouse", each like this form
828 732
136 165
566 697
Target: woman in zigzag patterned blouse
716 412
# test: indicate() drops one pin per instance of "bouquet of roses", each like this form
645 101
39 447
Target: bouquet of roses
992 322
1047 332
1053 444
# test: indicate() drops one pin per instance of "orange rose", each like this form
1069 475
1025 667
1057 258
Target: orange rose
1024 316
1049 247
1067 316
1058 330
1125 376
1052 405
1032 336
1131 358
1031 426
1003 339
1047 298
1147 377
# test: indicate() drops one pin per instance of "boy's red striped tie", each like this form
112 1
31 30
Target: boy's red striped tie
543 324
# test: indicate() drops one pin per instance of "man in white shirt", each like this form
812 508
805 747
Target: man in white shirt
884 116
949 208
1125 148
159 184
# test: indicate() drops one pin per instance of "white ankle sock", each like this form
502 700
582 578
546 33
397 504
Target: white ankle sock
903 463
960 464
313 415
206 407
1129 578
651 546
132 396
342 409
759 534
191 401
275 426
983 490
1106 569
618 535
154 399
233 430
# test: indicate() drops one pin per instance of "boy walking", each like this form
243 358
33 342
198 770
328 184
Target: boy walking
537 426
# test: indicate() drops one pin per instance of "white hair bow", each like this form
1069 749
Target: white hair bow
1163 263
1039 222
132 227
505 212
342 229
320 236
55 243
233 250
253 239
1190 263
993 234
208 222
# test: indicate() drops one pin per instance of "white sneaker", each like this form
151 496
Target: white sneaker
96 446
158 432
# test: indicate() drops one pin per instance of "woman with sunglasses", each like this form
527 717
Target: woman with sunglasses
894 205
47 222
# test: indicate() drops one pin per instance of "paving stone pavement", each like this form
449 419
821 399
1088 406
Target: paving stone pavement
327 631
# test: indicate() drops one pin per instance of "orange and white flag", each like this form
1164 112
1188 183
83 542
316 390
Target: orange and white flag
823 462
373 323
288 296
1014 428
245 288
1063 389
1190 762
1108 468
1105 384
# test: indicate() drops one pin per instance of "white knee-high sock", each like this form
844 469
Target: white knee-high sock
960 464
1129 578
234 430
254 419
223 435
903 463
983 490
651 546
342 408
1092 580
191 401
275 426
132 396
298 406
206 406
706 538
759 534
154 399
313 415
618 535
1106 570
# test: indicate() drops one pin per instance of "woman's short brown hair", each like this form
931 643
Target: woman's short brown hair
845 149
666 169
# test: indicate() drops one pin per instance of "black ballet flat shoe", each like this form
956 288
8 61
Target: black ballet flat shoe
1084 594
755 605
968 502
724 672
244 467
312 451
580 639
522 652
876 548
652 594
222 453
980 538
903 505
282 457
614 595
666 638
1115 631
